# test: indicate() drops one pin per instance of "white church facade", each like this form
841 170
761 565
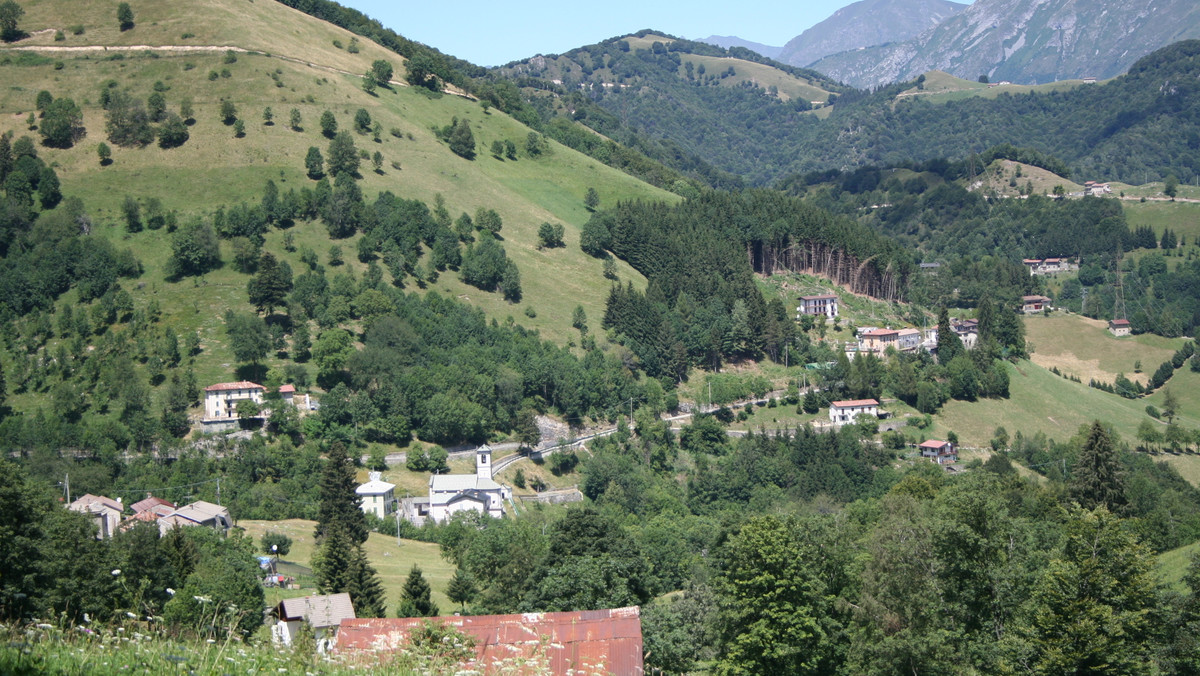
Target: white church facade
453 493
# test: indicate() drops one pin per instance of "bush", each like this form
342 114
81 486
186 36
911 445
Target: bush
281 542
1152 411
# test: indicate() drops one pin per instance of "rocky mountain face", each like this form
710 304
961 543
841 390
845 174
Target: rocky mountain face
865 24
728 41
1026 42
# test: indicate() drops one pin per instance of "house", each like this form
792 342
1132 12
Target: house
1049 266
287 394
1033 304
940 452
909 339
451 493
878 340
324 613
221 400
1120 327
1096 189
967 331
377 497
106 513
576 642
199 513
842 412
1089 79
824 304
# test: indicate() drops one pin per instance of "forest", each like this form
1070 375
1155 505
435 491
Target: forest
1137 128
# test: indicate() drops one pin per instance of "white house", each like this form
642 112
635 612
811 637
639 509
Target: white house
824 304
377 497
221 400
842 412
1120 327
909 339
451 493
940 452
324 614
105 512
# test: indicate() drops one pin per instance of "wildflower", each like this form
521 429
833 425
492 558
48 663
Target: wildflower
116 571
87 618
132 616
170 592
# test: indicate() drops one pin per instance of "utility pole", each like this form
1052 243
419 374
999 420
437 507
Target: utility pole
218 491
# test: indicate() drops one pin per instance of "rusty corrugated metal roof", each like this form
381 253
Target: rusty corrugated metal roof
594 641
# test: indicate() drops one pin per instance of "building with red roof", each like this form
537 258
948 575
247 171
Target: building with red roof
578 642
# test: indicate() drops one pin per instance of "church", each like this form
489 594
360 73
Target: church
452 493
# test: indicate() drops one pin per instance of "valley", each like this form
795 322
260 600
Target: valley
814 379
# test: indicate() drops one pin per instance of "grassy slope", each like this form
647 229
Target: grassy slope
213 168
1084 347
1182 217
391 561
1001 171
1040 401
941 87
1173 564
276 29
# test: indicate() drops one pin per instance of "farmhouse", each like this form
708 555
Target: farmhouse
106 513
1120 327
842 412
451 493
1033 304
324 613
825 304
940 452
576 642
199 513
377 496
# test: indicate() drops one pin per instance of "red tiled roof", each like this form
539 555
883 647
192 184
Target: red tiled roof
243 385
879 333
287 388
855 402
933 443
1119 322
584 641
826 296
150 503
1035 299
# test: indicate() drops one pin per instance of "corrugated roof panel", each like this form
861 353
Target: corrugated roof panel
609 641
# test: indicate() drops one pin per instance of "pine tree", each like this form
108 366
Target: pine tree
1097 479
331 562
269 287
415 600
339 503
948 344
364 587
462 589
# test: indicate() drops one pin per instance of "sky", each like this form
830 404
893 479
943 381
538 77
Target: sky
495 33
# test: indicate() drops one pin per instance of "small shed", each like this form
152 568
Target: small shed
324 614
1120 327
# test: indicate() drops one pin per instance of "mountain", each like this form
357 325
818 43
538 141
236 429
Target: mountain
865 24
690 105
1025 41
728 41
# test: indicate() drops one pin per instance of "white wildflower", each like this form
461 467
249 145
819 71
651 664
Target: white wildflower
116 571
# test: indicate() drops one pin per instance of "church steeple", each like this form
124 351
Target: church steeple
483 462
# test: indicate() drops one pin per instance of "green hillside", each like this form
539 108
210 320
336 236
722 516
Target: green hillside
213 168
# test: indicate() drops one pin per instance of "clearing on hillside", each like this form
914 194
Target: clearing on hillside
1083 347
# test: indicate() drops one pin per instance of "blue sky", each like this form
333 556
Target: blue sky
494 33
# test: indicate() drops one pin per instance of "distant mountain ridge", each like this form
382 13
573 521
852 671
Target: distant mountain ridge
1025 41
867 23
728 41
